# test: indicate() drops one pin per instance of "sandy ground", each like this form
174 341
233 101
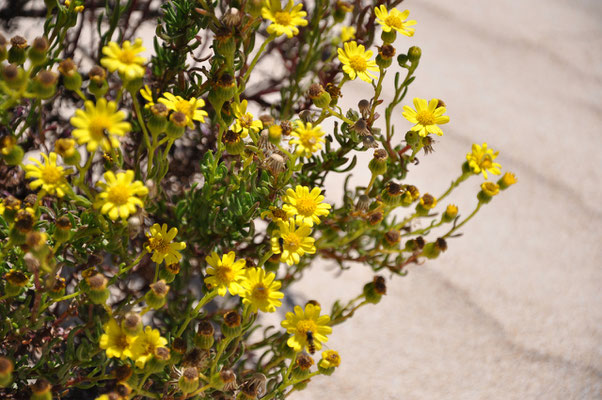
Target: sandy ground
513 310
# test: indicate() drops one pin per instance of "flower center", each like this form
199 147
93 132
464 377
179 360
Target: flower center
119 195
358 63
185 107
283 18
246 120
394 22
159 245
425 118
306 325
98 126
306 206
308 139
292 241
127 56
260 292
486 162
51 174
224 274
121 341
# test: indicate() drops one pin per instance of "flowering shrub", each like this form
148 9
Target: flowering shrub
154 209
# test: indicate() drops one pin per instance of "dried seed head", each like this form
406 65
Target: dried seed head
205 328
16 278
59 284
441 244
190 373
304 362
18 41
132 321
179 119
441 103
267 120
173 268
63 222
287 127
361 127
64 147
47 78
195 358
275 163
392 237
159 109
380 154
393 189
364 106
380 285
420 242
363 203
40 44
232 319
375 217
35 240
231 137
226 80
10 72
162 353
24 221
315 90
160 288
179 345
97 282
314 303
123 389
41 386
67 67
228 377
333 90
387 51
233 17
98 74
414 192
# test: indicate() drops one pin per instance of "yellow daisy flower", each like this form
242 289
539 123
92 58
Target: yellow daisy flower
394 20
160 245
244 120
291 242
356 61
302 322
225 274
144 346
330 359
305 205
49 176
125 59
120 194
427 117
284 20
191 108
481 160
308 138
99 125
115 341
490 188
347 33
147 95
260 290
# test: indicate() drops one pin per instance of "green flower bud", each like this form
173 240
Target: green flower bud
98 82
97 289
160 358
388 37
157 296
412 138
391 195
158 121
44 84
189 381
71 78
132 85
232 324
16 54
302 367
451 212
14 76
169 272
176 126
378 164
414 54
370 293
431 251
66 149
205 335
10 151
37 52
320 97
131 323
233 142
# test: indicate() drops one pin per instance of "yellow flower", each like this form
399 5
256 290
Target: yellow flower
143 348
244 120
308 138
330 359
394 20
147 95
191 108
159 243
99 125
284 20
275 214
347 33
490 188
301 322
292 242
77 9
481 160
305 205
426 117
115 341
125 59
507 180
225 274
120 194
356 61
49 176
260 291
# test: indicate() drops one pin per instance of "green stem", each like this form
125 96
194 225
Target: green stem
341 116
210 295
453 185
245 77
448 234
